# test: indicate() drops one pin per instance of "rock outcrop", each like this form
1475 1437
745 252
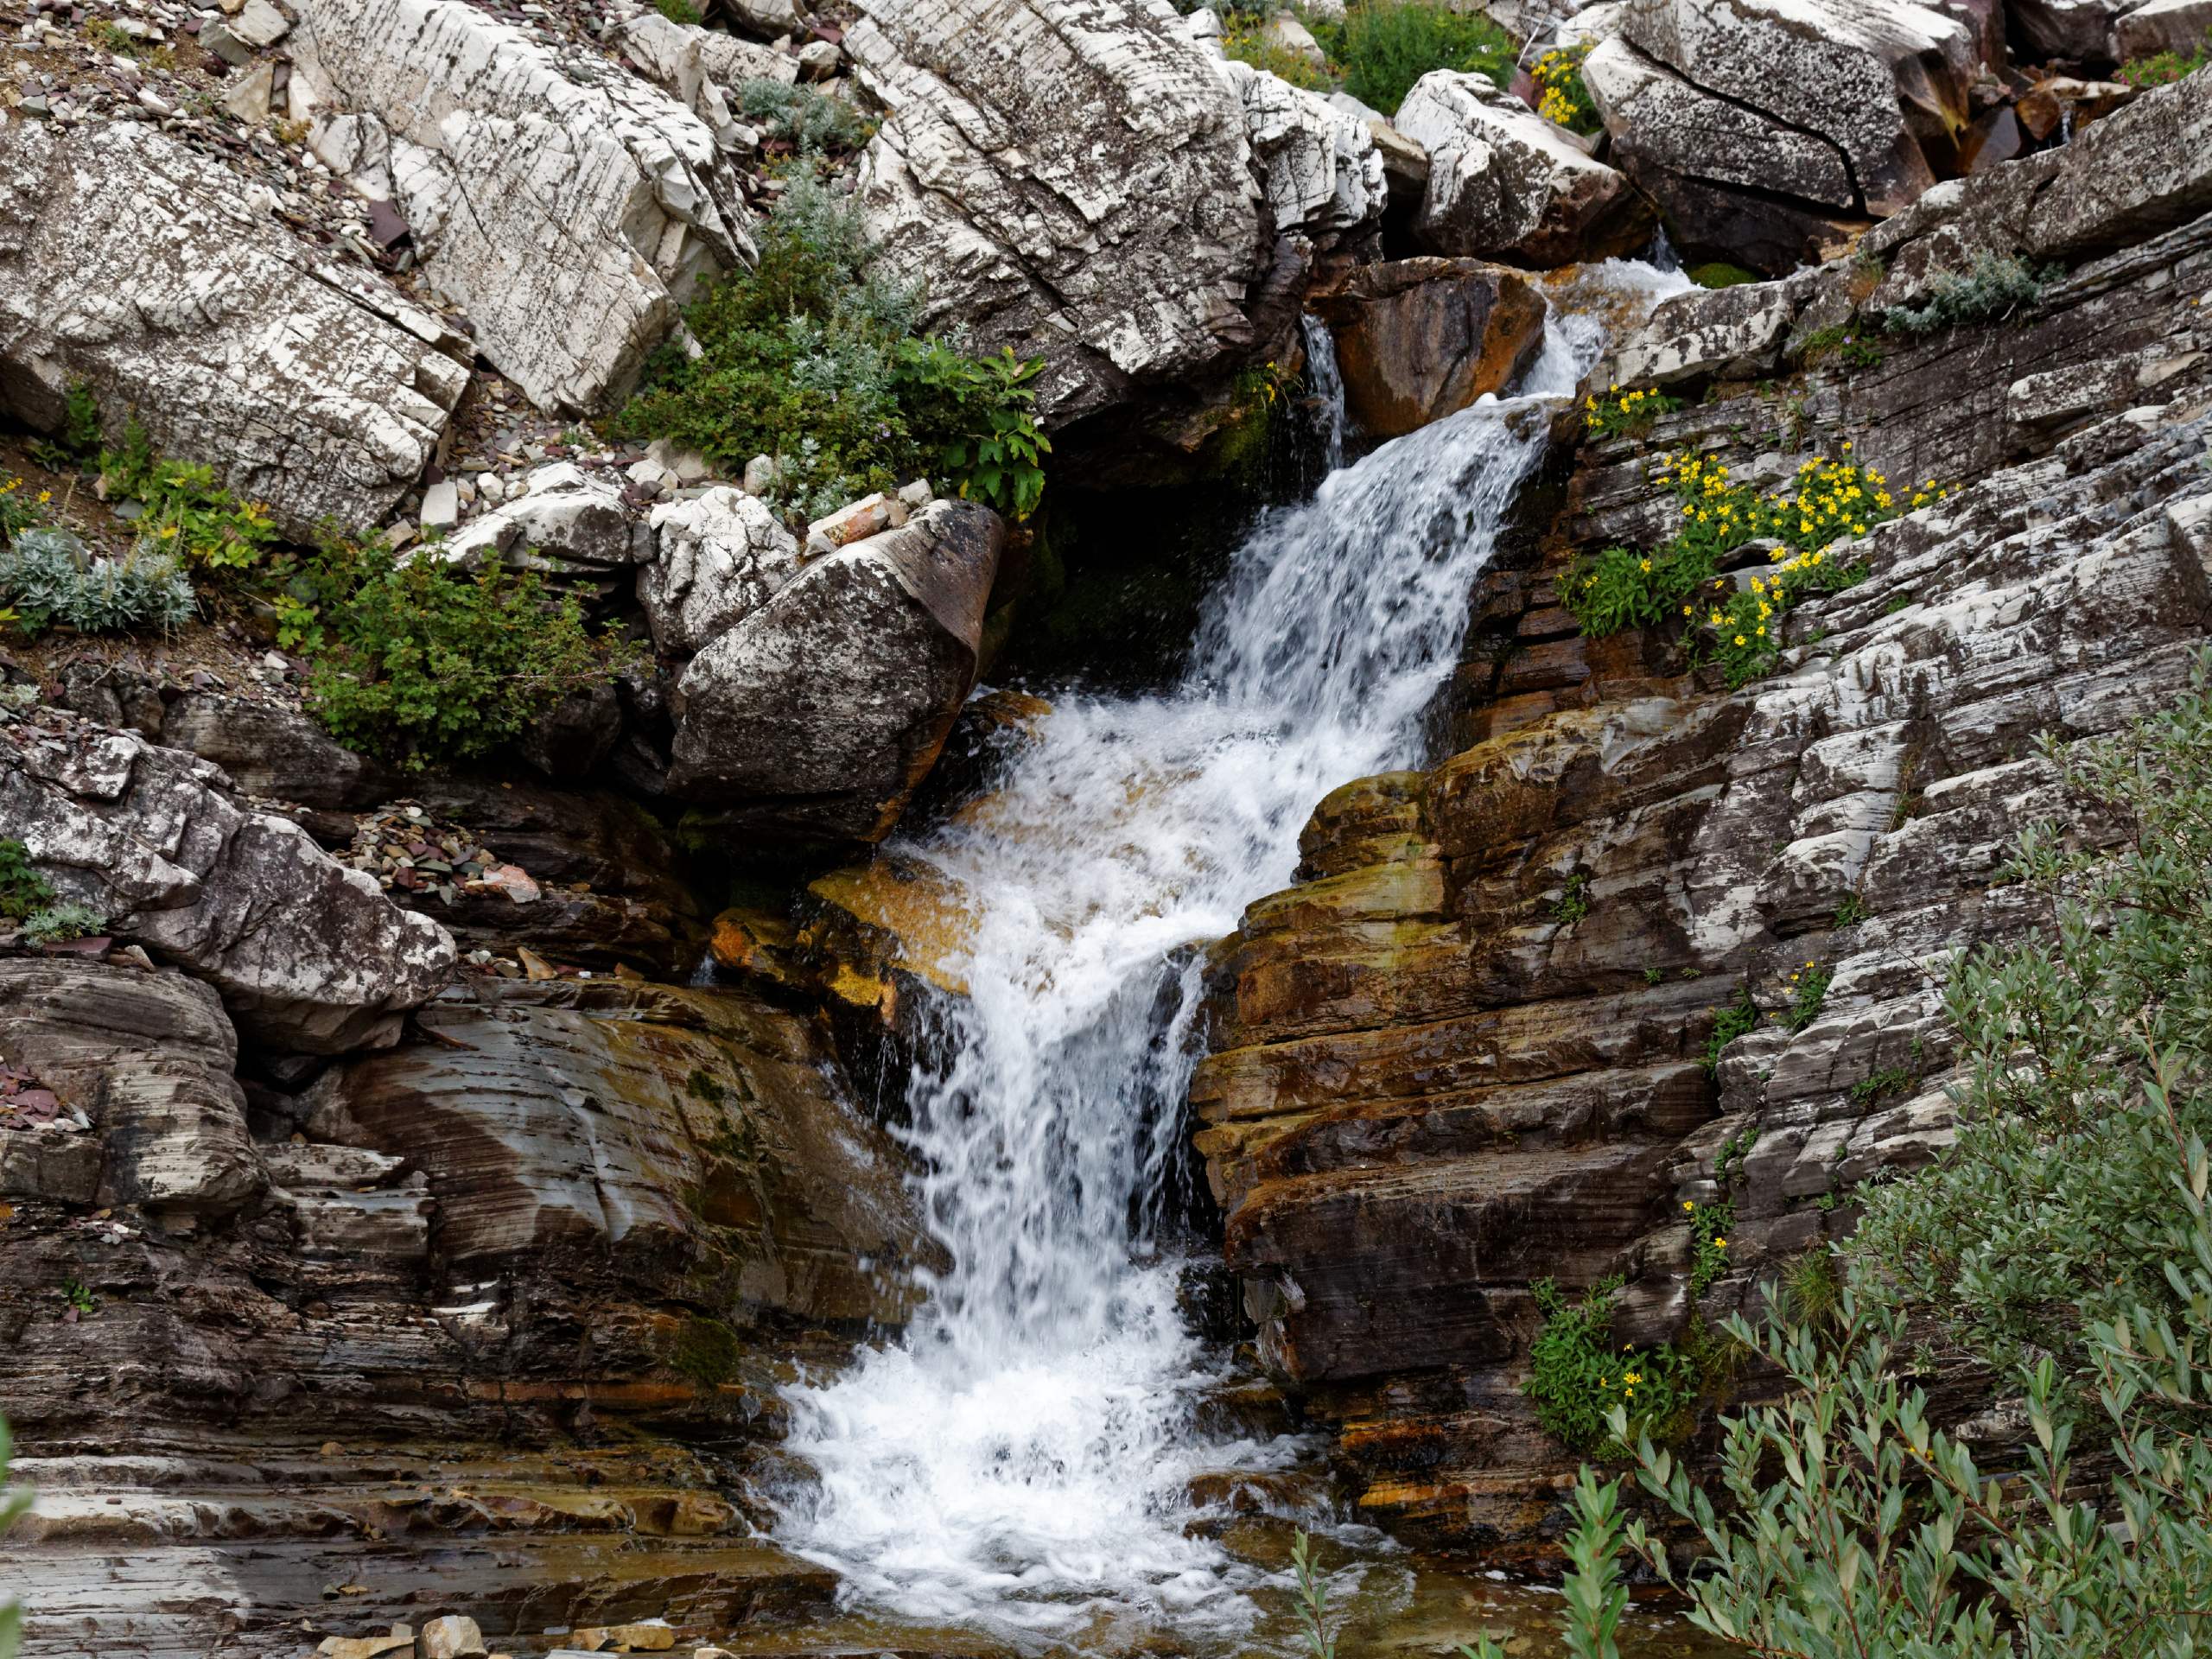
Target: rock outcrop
1435 1081
568 206
1505 183
718 558
1417 338
1765 128
134 266
817 714
309 957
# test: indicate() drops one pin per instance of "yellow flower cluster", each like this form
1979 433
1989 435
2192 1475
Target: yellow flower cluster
18 509
1562 96
1622 411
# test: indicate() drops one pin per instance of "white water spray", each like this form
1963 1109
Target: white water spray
1019 1462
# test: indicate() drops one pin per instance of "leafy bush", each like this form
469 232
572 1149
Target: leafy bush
1808 992
1839 343
1574 902
22 889
811 122
50 577
1710 1225
811 358
1739 1019
1563 98
1385 45
188 514
1576 1377
2163 68
1995 288
53 924
422 662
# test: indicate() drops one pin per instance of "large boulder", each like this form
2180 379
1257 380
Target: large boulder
817 714
147 1058
308 956
1767 129
136 266
1086 182
1505 183
569 208
1417 338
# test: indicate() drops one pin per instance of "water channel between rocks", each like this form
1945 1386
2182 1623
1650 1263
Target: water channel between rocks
1034 1460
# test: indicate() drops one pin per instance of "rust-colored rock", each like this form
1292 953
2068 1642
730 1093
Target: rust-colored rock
1418 339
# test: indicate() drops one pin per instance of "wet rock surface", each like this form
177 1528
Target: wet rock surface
1418 339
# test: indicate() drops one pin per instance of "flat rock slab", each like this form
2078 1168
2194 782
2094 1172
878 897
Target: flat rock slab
133 265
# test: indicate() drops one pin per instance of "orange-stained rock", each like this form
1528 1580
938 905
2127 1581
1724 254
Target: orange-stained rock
1418 339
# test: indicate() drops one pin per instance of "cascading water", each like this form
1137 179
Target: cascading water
1020 1461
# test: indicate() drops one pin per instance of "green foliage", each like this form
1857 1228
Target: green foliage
1718 273
19 509
1574 902
22 889
811 122
810 358
1562 96
1710 1225
54 923
679 11
2084 1048
1625 413
1850 912
15 1504
1886 1083
1622 588
50 577
1593 1596
80 421
1245 38
1385 45
78 1298
1841 343
2163 68
1575 1378
422 662
1995 288
1312 1601
1653 976
1809 989
187 515
1738 1019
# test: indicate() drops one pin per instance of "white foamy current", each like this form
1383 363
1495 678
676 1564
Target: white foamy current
1019 1461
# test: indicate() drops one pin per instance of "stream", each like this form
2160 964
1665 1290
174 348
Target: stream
1032 1460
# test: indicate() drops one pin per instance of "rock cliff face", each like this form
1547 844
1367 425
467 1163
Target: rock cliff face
1435 1079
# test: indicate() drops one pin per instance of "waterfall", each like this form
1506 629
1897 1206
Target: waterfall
1328 387
1018 1462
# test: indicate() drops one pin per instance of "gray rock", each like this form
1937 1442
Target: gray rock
219 39
571 526
440 505
309 956
818 60
1505 184
717 558
569 210
129 263
249 99
2161 26
260 24
1322 168
817 714
273 750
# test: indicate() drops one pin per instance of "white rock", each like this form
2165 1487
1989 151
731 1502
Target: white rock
133 264
560 520
869 516
685 465
594 201
702 67
260 25
1321 166
818 60
717 558
452 1638
440 505
760 475
1285 33
249 99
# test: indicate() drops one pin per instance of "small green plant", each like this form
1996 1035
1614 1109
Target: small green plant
1630 414
422 662
1247 40
1710 1225
78 1297
1728 1162
1850 912
1574 902
1809 989
2163 68
1994 288
1592 1596
81 428
20 509
1562 96
1736 1019
678 11
50 577
1653 976
22 889
1841 345
1884 1084
1385 45
1718 273
1575 1375
811 122
111 37
56 924
187 515
1313 1598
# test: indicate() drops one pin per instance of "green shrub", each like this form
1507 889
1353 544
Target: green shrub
1718 273
22 889
53 924
50 577
1841 344
1385 45
811 122
1574 902
1562 96
420 662
678 11
1995 288
1576 1377
1710 1225
1246 39
1808 991
2163 68
1849 913
20 509
811 358
187 515
1739 1019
